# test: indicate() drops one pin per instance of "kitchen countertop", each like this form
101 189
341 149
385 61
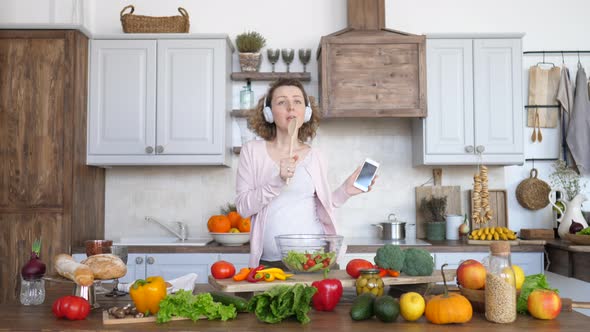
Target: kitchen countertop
354 247
566 245
15 317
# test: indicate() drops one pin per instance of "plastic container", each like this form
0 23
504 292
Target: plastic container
369 282
32 292
500 290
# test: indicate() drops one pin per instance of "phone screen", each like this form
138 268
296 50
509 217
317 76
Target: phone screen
366 175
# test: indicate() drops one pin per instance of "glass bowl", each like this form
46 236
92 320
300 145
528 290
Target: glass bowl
231 239
309 253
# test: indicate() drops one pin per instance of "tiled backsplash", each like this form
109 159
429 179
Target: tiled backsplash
192 194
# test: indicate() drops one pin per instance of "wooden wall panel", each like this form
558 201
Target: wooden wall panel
33 87
47 190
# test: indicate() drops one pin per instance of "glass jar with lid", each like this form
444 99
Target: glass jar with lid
500 290
369 282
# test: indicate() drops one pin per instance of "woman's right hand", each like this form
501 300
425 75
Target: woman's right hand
287 167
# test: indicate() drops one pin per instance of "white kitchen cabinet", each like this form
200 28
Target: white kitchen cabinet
160 101
474 86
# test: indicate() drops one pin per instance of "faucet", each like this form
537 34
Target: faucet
182 232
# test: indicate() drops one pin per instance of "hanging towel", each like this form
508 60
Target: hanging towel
543 84
578 134
565 99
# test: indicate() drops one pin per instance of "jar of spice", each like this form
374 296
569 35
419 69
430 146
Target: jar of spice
500 290
369 282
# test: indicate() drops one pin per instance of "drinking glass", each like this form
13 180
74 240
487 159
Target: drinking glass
121 252
304 57
273 56
288 54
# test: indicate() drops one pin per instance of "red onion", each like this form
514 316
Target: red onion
35 268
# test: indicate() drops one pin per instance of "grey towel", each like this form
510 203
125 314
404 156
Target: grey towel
565 98
578 134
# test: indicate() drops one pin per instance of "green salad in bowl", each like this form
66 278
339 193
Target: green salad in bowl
309 253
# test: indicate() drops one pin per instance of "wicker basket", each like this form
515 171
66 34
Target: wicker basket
150 24
533 193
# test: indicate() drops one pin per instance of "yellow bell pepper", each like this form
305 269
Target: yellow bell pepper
147 294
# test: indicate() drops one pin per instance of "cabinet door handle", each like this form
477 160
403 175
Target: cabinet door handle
149 149
159 149
469 149
150 260
480 149
139 260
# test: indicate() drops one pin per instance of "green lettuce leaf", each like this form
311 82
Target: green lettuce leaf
281 302
185 304
531 282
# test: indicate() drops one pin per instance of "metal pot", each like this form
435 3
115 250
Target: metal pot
392 229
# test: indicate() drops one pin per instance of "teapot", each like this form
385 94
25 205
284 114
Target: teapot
573 212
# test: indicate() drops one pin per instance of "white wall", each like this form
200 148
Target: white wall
193 193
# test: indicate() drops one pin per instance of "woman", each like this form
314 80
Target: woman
305 205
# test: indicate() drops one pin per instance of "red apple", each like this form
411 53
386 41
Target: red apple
544 304
471 274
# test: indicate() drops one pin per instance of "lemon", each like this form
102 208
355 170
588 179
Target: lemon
518 275
234 230
412 306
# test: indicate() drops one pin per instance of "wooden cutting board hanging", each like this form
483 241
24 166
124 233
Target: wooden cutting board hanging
453 194
532 193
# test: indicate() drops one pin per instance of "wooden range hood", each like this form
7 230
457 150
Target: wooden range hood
367 70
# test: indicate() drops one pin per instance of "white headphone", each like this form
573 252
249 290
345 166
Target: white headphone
267 112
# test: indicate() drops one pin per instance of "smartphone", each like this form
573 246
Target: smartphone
365 177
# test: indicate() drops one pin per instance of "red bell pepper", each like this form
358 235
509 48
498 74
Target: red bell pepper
252 275
328 294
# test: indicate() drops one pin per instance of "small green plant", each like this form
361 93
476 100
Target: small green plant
434 209
566 179
250 42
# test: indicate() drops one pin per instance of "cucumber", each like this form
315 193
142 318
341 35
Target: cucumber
240 303
386 308
362 307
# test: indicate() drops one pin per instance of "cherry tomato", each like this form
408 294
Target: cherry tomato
223 270
71 307
354 267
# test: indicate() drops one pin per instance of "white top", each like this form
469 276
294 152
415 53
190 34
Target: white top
291 212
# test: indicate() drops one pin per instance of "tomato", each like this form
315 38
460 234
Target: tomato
71 307
354 267
223 270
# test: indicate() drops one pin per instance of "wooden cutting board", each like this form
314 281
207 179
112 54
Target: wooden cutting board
453 194
498 203
229 285
110 320
537 234
516 242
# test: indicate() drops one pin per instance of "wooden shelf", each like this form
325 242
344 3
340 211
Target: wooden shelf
239 113
258 76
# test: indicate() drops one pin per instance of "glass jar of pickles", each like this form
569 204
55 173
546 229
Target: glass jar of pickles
369 282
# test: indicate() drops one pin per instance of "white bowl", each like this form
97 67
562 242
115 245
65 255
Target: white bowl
231 239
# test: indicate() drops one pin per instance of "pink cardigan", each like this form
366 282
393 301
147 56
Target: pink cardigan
256 187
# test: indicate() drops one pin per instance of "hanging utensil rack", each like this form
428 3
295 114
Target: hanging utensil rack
543 62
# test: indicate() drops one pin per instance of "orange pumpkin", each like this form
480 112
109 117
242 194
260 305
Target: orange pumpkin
244 225
219 224
448 308
234 217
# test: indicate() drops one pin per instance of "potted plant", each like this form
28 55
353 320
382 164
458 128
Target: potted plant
434 211
249 45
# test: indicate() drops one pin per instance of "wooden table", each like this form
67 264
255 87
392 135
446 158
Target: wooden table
15 317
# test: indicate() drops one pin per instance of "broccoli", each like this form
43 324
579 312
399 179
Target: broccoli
418 262
390 257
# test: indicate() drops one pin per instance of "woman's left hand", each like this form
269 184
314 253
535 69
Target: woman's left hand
351 189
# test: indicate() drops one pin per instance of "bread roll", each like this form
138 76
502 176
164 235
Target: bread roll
106 266
67 267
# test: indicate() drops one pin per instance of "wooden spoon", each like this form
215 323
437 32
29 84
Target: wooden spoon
534 136
539 135
293 133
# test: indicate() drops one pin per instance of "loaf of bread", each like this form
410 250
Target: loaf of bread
106 266
67 267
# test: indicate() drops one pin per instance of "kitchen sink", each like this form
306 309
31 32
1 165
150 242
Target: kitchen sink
163 241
